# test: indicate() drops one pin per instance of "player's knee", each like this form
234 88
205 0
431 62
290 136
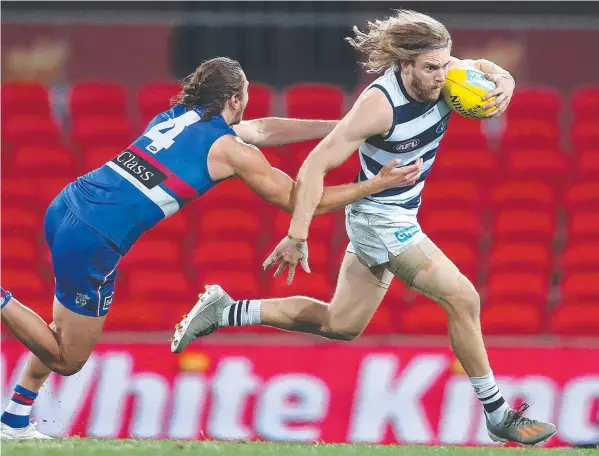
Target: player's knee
466 302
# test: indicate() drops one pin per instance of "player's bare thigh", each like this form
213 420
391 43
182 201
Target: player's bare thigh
76 335
360 290
425 268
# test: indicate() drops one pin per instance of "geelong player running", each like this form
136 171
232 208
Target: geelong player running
400 115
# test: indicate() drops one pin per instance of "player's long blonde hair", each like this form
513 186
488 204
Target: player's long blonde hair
399 38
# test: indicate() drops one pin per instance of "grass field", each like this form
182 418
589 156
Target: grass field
89 447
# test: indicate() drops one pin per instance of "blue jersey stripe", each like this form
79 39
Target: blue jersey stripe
408 112
414 203
401 190
426 137
374 166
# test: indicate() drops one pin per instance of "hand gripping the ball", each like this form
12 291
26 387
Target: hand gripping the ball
503 92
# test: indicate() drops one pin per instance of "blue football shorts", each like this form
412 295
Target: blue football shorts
84 262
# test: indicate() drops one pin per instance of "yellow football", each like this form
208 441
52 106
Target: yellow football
463 92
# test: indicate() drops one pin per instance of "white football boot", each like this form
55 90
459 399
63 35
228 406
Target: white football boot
25 433
204 318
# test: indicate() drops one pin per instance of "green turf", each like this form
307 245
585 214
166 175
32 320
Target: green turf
89 447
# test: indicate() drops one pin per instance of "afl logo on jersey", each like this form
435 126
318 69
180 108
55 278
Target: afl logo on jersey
406 146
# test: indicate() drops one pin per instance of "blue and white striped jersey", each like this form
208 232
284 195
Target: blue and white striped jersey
416 132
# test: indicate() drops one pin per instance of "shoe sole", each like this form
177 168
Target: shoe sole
502 440
181 339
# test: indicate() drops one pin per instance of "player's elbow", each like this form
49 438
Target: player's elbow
263 136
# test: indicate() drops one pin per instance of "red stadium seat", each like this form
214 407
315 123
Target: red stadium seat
511 318
94 156
177 226
549 164
230 194
36 161
275 155
19 191
30 130
463 126
223 223
531 134
463 254
322 258
93 131
314 101
239 284
154 98
462 141
523 194
315 285
584 134
575 319
30 288
296 153
159 287
98 98
19 251
519 285
226 254
583 225
261 101
587 163
583 195
519 225
49 187
454 224
127 314
151 252
344 174
385 320
398 295
21 221
423 317
581 286
585 103
580 257
322 228
526 256
24 99
536 103
446 193
456 163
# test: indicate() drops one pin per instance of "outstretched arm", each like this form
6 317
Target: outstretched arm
275 131
276 187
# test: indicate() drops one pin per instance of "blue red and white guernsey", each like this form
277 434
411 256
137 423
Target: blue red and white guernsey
165 168
95 220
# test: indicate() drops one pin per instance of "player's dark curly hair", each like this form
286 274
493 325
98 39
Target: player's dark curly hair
211 85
